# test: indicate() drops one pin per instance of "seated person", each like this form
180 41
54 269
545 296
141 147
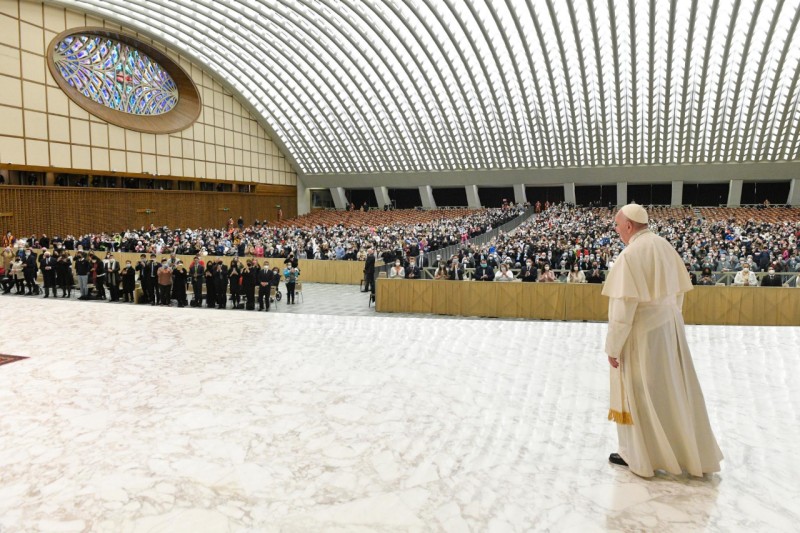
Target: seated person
745 278
483 272
456 271
397 271
504 274
576 275
547 276
412 272
771 279
595 275
441 273
706 278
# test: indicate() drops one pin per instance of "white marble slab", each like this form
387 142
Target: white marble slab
131 418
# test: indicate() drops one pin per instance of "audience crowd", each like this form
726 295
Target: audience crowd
560 243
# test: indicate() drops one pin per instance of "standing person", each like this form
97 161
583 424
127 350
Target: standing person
128 282
30 270
179 278
235 280
64 274
211 292
656 401
164 275
151 276
197 271
249 274
290 276
82 269
264 278
528 273
112 277
48 266
369 271
221 284
98 277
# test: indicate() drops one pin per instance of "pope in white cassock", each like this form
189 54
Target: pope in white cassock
656 401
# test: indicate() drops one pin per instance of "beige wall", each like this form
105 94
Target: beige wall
41 127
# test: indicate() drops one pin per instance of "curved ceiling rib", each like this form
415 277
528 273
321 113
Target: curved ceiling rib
381 86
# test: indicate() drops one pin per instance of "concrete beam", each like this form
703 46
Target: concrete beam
735 193
622 193
426 195
382 196
677 193
473 199
569 193
339 198
520 197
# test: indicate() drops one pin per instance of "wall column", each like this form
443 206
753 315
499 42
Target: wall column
677 193
735 193
519 194
569 193
339 199
473 199
50 179
303 198
382 196
426 195
622 193
794 192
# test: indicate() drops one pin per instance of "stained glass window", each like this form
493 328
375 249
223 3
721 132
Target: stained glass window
115 75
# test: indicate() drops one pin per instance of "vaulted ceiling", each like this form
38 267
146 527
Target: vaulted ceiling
376 86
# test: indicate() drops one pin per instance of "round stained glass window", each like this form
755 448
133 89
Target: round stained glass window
115 74
123 80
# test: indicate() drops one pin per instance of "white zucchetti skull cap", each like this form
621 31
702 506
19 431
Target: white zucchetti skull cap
635 213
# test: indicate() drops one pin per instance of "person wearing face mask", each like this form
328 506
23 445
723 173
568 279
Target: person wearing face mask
412 272
263 278
112 277
595 274
30 270
576 275
290 275
197 270
455 272
164 283
128 282
745 278
64 274
547 275
98 277
179 278
771 279
48 267
221 284
504 273
397 271
211 291
483 272
528 273
249 274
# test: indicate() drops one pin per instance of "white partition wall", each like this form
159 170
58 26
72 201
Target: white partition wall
735 193
473 199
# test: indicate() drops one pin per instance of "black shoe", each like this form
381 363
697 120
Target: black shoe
616 459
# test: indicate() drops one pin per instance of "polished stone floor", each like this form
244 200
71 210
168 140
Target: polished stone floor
138 418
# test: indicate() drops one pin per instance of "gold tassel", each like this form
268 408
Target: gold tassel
620 418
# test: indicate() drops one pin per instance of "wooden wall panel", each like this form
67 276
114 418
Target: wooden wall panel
76 210
558 301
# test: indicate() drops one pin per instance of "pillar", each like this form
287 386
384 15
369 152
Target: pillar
50 179
303 198
473 199
519 194
569 193
794 192
339 199
426 195
382 196
735 193
622 193
677 193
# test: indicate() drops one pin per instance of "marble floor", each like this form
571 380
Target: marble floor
133 418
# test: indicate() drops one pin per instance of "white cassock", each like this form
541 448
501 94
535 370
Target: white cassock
662 421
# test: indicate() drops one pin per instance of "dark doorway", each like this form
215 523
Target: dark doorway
755 192
650 193
450 197
405 198
359 196
494 196
596 195
705 194
554 194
